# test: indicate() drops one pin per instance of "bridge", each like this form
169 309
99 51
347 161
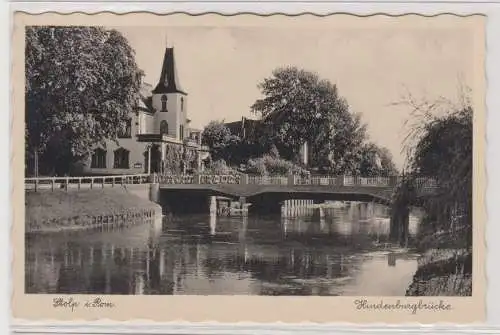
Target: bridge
190 193
345 188
321 187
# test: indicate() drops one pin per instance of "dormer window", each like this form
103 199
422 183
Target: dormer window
164 103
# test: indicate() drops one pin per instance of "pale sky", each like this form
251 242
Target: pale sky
220 67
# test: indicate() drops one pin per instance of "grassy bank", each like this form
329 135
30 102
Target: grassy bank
443 272
48 211
445 267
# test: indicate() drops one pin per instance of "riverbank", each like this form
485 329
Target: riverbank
445 267
59 210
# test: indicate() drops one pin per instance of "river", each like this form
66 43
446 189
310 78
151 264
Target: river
344 253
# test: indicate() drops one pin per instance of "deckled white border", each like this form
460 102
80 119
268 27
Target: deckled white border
492 10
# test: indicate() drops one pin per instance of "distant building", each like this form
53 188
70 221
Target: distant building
157 137
244 129
248 129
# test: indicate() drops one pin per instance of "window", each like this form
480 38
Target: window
181 132
164 103
98 159
163 127
126 130
121 158
182 104
196 137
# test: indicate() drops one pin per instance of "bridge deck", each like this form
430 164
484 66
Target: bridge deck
380 193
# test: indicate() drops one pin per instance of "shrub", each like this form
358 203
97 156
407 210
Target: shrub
276 166
257 166
272 166
220 167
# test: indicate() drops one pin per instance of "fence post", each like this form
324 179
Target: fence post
91 182
79 183
393 180
36 184
53 182
243 179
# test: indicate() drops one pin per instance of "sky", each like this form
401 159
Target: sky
373 66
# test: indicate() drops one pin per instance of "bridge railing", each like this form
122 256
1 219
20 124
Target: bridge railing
84 182
219 179
175 179
374 181
423 183
316 180
267 180
204 179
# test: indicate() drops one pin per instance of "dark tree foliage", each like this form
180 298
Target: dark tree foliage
223 145
81 85
376 161
440 147
298 106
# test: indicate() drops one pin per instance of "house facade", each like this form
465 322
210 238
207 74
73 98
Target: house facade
157 137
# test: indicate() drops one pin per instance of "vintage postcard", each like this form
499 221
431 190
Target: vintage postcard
249 168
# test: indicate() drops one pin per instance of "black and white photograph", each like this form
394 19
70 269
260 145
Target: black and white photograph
250 160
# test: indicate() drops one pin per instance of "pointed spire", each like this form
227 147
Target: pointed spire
168 82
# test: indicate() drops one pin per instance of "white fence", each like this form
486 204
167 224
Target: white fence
84 182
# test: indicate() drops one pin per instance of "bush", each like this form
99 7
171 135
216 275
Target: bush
273 166
256 166
220 167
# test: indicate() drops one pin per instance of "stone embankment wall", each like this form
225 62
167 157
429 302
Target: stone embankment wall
59 210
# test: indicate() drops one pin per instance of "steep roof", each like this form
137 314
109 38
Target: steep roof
244 128
169 81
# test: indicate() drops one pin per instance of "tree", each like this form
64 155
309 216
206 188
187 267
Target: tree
376 161
387 162
223 145
300 107
369 163
439 146
81 85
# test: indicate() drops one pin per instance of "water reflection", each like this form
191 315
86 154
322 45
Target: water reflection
342 253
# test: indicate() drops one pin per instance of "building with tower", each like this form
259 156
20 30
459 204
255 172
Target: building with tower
157 136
